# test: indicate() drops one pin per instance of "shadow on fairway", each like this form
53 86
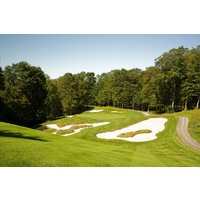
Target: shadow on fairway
5 133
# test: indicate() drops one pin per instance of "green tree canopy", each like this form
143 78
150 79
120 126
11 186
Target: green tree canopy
25 93
172 66
191 83
150 87
53 102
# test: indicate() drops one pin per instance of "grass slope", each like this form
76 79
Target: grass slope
20 146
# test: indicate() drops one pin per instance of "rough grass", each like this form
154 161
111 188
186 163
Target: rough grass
50 130
132 134
20 146
72 129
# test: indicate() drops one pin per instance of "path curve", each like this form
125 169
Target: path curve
184 135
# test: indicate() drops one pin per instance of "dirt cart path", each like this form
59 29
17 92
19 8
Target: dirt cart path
184 135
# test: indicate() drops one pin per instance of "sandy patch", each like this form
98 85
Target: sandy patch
54 126
75 131
79 129
156 125
94 111
145 113
114 111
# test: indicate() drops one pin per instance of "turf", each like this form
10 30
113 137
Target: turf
72 129
131 134
20 146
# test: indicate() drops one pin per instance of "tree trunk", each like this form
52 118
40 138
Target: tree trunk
173 103
165 108
185 105
198 103
173 96
133 104
148 108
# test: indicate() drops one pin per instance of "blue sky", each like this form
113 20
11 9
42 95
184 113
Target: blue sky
58 54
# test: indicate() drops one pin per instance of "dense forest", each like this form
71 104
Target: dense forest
28 96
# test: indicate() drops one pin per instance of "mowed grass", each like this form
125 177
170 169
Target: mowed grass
20 146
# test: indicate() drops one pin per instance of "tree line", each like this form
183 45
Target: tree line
28 96
173 84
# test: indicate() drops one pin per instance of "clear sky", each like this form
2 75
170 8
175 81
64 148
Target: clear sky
58 54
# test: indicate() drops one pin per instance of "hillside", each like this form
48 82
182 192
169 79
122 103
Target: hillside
20 146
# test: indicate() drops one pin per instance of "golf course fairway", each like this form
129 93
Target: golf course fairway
21 146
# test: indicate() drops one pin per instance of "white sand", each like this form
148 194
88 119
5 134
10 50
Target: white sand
75 131
79 129
114 111
156 125
54 126
93 111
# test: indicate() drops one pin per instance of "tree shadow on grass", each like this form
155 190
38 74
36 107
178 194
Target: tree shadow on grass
6 133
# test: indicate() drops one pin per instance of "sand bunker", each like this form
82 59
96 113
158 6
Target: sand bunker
69 116
93 111
54 126
156 125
